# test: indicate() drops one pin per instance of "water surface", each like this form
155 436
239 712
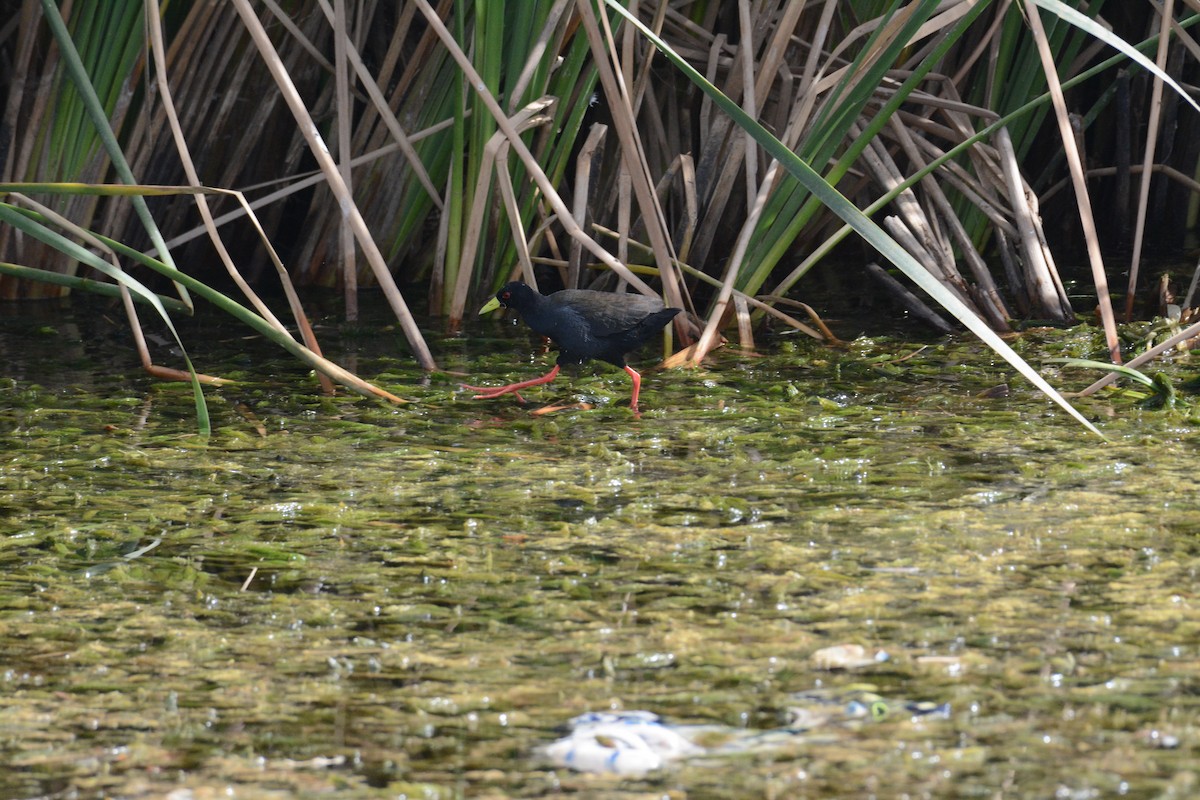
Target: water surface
334 595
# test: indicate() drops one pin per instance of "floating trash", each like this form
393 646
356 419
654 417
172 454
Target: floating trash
807 710
620 743
847 656
634 743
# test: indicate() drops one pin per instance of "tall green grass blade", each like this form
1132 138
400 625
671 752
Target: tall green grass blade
572 83
502 37
95 110
1092 28
82 284
1018 76
1104 366
959 149
847 100
768 255
221 301
865 227
12 216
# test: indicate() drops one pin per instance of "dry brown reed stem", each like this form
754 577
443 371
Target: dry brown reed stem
437 276
749 102
495 153
709 338
716 173
554 20
681 168
380 104
1166 14
1043 289
522 150
624 122
1165 170
587 162
158 54
745 328
295 184
642 84
1191 292
771 309
343 104
629 41
691 206
773 66
757 303
6 30
915 305
886 173
512 209
1082 197
284 19
624 216
988 299
320 152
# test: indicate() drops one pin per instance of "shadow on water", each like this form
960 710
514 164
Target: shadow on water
335 595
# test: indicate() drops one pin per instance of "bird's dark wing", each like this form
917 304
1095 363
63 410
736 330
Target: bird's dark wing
607 313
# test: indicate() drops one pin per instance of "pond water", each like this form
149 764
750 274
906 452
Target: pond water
330 595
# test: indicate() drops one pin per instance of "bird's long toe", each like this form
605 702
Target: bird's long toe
492 392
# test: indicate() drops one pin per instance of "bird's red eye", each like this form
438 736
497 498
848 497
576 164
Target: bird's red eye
506 295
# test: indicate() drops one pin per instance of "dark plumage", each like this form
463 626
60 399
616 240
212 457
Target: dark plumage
585 325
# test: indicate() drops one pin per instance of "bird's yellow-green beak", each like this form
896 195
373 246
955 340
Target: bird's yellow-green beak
490 305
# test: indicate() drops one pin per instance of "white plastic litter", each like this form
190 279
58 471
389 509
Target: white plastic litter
619 743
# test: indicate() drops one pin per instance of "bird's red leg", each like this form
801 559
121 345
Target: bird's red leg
637 385
491 392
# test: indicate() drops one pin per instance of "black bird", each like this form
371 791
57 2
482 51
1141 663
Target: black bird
585 325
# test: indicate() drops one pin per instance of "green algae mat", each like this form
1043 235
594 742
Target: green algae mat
333 597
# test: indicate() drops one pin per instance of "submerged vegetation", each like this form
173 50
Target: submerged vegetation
328 595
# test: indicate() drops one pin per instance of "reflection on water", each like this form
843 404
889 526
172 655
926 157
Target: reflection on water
414 601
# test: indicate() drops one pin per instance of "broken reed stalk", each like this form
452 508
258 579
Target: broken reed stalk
320 152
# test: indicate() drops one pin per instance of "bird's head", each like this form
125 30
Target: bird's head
513 295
